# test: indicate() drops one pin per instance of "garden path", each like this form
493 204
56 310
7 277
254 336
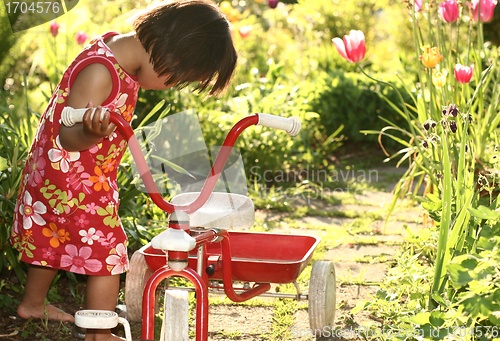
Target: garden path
354 237
362 247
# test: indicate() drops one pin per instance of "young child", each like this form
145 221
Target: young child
66 215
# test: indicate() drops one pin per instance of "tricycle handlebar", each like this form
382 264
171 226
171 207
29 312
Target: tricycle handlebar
291 125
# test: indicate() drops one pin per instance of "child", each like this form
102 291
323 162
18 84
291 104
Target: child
66 215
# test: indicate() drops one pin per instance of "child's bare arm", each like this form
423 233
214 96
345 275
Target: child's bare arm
91 88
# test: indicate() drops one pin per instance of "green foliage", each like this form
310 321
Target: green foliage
7 39
282 320
354 101
16 134
289 67
475 275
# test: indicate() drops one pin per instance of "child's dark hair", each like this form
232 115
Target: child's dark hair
190 40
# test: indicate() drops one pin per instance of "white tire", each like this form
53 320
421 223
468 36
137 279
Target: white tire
322 295
135 280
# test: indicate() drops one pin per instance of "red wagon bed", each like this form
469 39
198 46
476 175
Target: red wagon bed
256 257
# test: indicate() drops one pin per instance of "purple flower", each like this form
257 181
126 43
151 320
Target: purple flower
272 3
453 127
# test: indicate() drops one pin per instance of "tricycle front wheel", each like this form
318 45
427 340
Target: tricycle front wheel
322 295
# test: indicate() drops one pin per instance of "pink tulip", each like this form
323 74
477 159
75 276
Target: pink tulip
487 9
272 3
352 48
463 73
449 11
418 5
81 37
54 28
245 31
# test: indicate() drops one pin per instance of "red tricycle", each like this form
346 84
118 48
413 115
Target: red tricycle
201 246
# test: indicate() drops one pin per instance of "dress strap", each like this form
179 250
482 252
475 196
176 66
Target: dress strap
109 34
102 59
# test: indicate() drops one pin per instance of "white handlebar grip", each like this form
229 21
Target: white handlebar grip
290 125
70 116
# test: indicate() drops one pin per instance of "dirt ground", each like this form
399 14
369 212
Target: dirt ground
360 268
226 322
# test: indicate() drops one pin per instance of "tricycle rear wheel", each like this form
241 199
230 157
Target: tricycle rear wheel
135 280
322 296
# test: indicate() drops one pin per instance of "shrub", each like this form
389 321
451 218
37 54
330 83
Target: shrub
354 101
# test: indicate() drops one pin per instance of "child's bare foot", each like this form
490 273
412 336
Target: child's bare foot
45 312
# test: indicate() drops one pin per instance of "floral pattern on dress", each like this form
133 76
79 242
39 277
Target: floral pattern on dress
78 260
66 216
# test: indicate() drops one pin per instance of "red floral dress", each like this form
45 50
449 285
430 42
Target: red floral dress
67 210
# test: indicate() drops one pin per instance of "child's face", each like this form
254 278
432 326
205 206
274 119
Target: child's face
148 79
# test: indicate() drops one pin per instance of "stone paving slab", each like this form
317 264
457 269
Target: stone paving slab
380 199
355 272
328 221
249 322
351 253
362 209
395 227
410 215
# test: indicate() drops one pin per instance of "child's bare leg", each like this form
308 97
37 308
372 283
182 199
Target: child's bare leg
101 293
33 303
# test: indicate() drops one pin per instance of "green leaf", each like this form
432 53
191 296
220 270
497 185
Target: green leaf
440 300
478 306
360 306
459 276
420 318
478 214
432 206
488 243
430 332
495 318
153 111
383 294
436 318
3 164
489 212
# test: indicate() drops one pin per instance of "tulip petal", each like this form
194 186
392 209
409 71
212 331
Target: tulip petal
339 44
355 46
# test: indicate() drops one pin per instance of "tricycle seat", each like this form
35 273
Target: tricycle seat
222 210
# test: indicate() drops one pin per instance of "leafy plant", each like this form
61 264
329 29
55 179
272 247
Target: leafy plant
450 123
357 103
16 134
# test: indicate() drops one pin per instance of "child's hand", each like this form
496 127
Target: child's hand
94 126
